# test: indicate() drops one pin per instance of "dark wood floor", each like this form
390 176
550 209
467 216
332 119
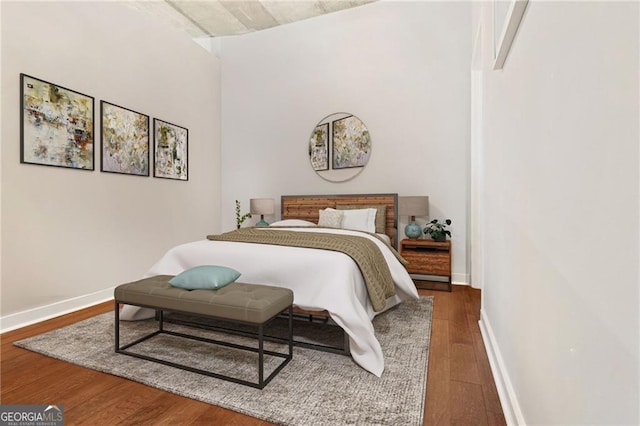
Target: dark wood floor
460 387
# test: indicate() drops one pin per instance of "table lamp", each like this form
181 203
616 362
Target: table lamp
261 206
412 207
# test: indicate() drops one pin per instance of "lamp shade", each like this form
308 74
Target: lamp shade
413 206
261 206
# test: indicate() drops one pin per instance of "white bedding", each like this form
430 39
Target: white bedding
320 279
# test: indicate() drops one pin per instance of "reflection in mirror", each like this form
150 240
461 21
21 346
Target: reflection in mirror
339 147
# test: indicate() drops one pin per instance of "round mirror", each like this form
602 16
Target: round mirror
339 147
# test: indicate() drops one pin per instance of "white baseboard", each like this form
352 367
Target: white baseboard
461 279
508 400
42 313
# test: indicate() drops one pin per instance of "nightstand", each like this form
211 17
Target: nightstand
427 257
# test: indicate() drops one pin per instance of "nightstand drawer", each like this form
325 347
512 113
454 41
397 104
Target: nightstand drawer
436 263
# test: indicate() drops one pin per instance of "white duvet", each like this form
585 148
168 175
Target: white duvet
320 279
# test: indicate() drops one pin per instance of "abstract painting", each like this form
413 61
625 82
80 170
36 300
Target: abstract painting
56 125
319 147
171 150
351 143
125 140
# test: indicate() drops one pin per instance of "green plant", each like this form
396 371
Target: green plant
436 229
240 217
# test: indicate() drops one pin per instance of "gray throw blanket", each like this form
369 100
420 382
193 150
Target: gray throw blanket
363 251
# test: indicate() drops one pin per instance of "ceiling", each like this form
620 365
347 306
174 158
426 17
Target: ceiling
216 18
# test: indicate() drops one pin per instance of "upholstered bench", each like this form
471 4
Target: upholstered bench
248 304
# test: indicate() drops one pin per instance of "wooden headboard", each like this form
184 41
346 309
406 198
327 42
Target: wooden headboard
306 207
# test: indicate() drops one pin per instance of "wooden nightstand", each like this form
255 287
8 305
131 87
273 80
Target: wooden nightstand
427 257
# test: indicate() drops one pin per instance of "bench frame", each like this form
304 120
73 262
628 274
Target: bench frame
260 384
312 318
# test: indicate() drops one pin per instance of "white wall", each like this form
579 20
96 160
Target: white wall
401 67
67 233
561 187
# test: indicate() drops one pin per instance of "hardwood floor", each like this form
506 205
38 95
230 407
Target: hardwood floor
460 387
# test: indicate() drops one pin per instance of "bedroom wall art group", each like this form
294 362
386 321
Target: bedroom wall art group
57 129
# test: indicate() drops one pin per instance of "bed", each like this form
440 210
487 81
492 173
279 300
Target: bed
322 280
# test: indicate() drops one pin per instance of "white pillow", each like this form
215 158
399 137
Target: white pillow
330 218
359 220
293 222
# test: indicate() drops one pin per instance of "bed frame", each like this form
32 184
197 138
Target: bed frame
306 207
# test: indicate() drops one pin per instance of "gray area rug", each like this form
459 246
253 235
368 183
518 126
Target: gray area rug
315 388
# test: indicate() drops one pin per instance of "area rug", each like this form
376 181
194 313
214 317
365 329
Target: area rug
315 388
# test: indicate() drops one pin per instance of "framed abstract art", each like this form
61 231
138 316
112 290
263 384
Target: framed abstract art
351 143
319 147
170 150
56 125
124 140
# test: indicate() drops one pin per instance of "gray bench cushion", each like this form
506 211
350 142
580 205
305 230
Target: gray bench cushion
236 301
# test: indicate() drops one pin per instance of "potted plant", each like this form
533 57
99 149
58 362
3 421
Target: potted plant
240 217
437 231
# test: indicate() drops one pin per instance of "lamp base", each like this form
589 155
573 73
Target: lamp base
413 230
261 224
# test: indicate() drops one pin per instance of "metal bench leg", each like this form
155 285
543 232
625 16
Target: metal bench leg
261 355
290 332
117 325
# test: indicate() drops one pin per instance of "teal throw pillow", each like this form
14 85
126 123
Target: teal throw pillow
205 277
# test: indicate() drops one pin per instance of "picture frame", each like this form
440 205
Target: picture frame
124 140
507 16
351 143
170 150
319 147
56 125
